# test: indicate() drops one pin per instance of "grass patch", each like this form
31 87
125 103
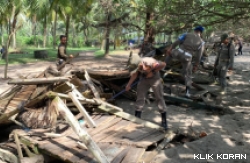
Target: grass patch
28 55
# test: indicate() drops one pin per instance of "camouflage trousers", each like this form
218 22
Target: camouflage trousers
222 73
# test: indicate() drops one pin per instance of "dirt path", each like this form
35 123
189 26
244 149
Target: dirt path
227 134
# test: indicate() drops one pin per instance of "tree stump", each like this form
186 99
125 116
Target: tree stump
41 54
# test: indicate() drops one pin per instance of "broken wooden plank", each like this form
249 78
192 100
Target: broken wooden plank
129 117
52 95
6 116
10 91
8 156
83 135
36 81
133 155
91 85
33 159
109 106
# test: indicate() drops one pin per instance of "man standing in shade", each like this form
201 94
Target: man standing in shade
148 72
224 61
190 45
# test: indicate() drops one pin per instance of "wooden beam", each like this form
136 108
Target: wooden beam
6 116
83 135
191 102
91 85
19 149
36 81
8 156
82 110
52 95
130 117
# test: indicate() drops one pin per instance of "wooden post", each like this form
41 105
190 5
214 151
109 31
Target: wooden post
82 110
91 85
83 135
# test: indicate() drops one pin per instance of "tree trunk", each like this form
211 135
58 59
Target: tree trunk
67 27
33 30
11 33
74 38
44 32
54 30
107 33
2 39
149 34
14 40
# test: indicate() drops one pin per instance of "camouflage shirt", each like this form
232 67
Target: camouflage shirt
226 54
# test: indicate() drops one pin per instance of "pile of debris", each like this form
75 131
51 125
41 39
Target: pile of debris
41 105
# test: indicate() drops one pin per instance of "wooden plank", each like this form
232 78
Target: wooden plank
151 139
103 119
28 88
83 135
112 150
133 155
130 117
91 85
118 136
106 124
8 156
139 133
118 158
112 130
36 81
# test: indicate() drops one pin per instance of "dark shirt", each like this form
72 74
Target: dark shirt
61 53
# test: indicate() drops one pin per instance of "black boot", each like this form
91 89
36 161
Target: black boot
164 123
138 114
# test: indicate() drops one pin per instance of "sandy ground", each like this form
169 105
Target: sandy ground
227 133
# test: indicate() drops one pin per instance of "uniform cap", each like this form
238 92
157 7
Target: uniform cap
199 28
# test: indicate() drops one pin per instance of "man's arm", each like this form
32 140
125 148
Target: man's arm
158 66
131 80
176 43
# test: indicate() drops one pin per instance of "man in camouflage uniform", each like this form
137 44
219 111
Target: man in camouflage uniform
224 61
148 72
190 44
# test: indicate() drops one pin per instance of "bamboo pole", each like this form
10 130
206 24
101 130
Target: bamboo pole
19 149
83 135
82 110
36 81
